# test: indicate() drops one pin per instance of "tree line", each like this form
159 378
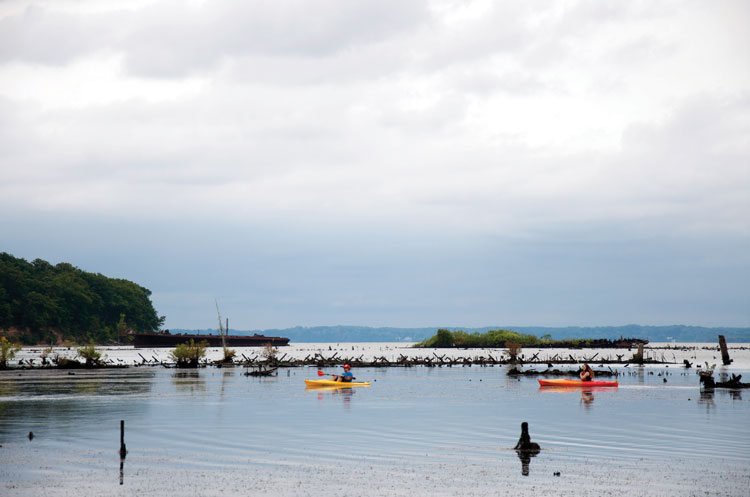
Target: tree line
505 338
46 301
491 339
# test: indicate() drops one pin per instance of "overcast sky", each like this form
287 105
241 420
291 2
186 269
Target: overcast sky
388 162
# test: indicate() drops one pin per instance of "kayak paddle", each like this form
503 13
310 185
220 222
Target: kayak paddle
321 373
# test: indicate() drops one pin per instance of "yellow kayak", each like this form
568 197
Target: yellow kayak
335 384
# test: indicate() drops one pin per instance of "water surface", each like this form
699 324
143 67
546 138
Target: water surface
415 431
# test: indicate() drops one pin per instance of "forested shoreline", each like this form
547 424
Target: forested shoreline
45 303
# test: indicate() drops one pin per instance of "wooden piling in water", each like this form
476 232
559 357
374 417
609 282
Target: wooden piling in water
123 451
724 351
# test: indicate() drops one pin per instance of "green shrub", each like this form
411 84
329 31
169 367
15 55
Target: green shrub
7 351
188 354
89 353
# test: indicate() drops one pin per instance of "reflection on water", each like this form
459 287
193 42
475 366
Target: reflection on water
641 375
707 395
189 381
88 387
52 383
226 375
706 399
122 469
337 393
587 398
345 394
525 457
43 400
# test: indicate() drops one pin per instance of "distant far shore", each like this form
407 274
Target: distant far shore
342 333
353 334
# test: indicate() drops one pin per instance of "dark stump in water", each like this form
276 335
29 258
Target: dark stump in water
526 449
708 381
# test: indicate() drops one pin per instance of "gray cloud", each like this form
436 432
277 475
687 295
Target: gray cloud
172 41
42 36
384 163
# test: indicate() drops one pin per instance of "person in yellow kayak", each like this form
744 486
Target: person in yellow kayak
587 374
346 377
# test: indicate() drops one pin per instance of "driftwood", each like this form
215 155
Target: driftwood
320 361
262 371
65 363
406 359
708 382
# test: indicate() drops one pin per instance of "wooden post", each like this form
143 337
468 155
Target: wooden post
724 352
123 451
640 353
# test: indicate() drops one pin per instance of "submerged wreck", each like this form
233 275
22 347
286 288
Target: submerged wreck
167 339
707 381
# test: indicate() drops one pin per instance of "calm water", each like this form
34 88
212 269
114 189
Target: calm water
416 431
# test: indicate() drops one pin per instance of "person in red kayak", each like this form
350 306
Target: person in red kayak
587 374
347 377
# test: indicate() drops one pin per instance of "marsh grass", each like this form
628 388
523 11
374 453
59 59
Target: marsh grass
189 354
269 352
229 355
514 348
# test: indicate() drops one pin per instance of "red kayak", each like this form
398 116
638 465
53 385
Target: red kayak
576 383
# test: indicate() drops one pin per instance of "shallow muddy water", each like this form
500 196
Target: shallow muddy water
414 431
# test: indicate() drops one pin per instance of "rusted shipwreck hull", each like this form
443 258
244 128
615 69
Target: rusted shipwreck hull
166 339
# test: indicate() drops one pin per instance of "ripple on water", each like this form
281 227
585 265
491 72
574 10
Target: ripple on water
442 427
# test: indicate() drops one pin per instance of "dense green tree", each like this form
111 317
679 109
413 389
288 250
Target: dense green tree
444 339
6 316
122 328
39 298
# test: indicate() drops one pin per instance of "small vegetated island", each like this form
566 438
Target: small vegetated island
41 303
444 339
